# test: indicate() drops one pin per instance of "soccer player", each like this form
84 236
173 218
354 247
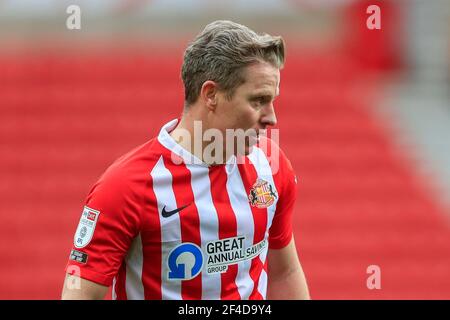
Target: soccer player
193 213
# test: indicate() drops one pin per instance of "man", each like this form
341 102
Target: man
178 219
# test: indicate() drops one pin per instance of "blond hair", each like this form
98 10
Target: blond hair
221 52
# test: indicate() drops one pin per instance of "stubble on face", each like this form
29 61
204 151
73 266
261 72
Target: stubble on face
245 110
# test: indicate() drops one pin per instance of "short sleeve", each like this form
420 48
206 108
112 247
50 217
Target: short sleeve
280 233
108 224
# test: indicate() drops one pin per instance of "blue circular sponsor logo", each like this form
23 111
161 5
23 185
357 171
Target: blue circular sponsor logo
185 262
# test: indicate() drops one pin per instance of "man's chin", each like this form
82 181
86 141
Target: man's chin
246 149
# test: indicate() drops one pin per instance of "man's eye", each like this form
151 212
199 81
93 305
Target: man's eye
260 101
257 103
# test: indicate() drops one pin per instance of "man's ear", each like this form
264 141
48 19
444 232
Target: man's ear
209 94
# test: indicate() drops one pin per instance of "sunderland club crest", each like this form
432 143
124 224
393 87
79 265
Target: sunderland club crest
262 194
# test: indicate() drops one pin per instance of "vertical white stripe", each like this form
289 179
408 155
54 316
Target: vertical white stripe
264 171
262 285
170 227
133 285
245 226
209 227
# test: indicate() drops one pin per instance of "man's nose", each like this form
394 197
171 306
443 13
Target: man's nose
268 118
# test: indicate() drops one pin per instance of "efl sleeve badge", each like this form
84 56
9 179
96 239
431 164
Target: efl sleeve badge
86 227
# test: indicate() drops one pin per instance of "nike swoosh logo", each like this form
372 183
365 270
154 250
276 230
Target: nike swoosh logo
167 214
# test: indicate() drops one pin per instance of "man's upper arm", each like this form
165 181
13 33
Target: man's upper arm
283 261
76 288
286 279
109 223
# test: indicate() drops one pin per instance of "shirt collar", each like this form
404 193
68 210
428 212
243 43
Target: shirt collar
169 143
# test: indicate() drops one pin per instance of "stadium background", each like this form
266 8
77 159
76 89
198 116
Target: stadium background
364 116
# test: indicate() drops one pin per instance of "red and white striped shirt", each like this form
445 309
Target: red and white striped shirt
159 229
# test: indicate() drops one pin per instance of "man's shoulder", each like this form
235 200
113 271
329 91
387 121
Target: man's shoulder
276 157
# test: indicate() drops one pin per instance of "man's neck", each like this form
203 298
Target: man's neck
185 135
189 134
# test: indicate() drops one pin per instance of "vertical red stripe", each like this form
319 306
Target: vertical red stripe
151 244
273 154
249 177
227 226
189 222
